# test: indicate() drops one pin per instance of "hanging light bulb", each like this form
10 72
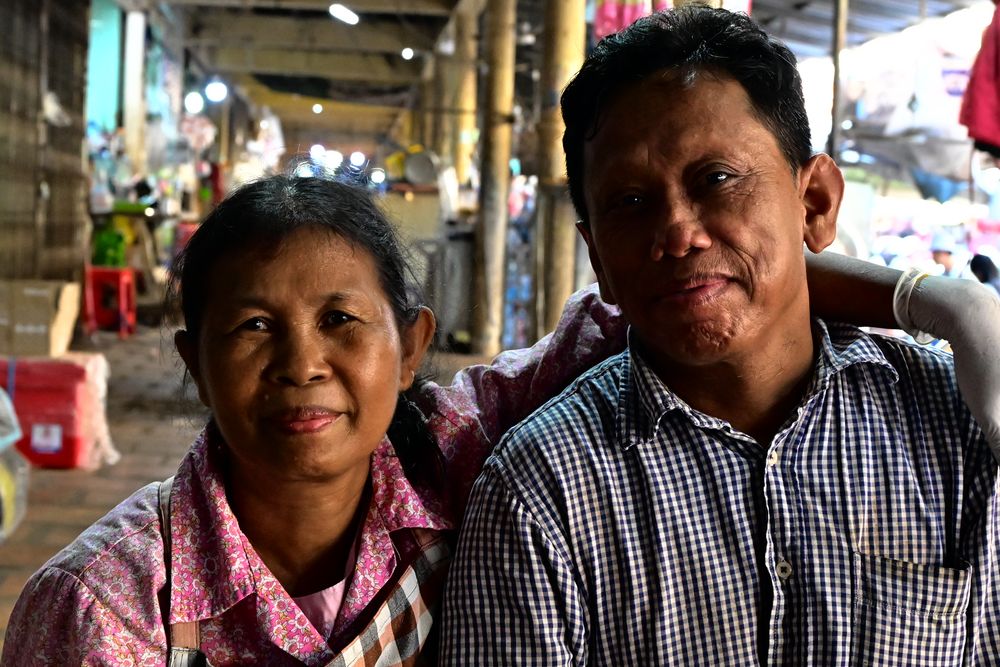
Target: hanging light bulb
194 103
216 91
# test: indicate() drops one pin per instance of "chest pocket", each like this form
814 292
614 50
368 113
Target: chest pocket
908 614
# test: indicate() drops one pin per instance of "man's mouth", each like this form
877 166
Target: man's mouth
696 290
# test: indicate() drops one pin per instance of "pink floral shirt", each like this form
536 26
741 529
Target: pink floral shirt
98 602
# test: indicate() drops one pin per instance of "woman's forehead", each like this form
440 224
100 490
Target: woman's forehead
309 257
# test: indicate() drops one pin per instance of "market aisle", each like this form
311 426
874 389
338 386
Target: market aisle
151 427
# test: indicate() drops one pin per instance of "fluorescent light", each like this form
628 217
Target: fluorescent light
342 13
317 108
317 152
357 158
378 176
216 91
407 53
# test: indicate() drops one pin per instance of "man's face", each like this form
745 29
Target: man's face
943 258
696 221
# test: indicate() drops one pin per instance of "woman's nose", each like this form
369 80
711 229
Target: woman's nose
300 359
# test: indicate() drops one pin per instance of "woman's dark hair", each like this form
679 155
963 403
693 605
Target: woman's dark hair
264 213
689 39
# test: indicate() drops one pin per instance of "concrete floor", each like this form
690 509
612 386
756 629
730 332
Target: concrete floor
151 426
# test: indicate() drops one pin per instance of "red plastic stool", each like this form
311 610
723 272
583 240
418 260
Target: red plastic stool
110 299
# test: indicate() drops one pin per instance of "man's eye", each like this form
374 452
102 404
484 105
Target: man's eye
717 177
255 324
628 201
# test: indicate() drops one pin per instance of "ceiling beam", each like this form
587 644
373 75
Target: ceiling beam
334 66
320 34
421 7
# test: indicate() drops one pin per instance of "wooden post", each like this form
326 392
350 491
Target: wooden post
466 55
840 11
491 232
565 41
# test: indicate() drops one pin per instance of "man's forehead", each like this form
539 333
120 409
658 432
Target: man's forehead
657 103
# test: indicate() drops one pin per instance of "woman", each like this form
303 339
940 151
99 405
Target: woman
309 521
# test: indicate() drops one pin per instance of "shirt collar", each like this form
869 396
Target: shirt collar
214 566
210 567
842 346
644 399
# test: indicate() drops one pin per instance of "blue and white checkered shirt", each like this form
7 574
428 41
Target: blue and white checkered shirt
619 526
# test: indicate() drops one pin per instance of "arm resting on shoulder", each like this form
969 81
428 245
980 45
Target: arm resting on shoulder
846 289
963 312
471 415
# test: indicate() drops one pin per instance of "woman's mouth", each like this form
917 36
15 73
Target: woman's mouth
304 420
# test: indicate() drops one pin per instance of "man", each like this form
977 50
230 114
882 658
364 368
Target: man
943 249
743 484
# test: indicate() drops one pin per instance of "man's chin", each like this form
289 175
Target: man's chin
699 344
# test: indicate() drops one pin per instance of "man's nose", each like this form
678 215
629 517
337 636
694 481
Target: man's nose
300 359
679 231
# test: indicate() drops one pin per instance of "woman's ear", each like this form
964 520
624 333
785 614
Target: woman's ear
187 347
821 187
415 340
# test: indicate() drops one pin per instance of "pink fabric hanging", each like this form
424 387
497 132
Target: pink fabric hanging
614 15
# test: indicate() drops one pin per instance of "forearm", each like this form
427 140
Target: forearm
846 289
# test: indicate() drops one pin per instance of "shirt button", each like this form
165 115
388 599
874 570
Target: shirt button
774 458
784 569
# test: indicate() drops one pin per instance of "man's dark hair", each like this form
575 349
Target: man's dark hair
687 40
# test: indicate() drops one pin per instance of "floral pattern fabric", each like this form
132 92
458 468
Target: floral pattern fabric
98 602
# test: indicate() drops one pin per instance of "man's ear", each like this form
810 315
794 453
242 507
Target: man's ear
595 262
415 340
821 188
187 347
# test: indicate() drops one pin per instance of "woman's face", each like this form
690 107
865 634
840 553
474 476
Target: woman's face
299 356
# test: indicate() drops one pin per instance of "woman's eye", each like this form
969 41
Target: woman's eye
337 317
254 324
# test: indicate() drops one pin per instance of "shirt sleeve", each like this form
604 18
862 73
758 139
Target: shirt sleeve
511 598
58 620
468 417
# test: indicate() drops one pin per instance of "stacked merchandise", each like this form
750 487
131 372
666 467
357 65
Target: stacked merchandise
60 403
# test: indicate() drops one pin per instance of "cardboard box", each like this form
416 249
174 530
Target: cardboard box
39 315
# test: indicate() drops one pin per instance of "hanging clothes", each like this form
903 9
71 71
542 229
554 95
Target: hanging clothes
614 15
981 101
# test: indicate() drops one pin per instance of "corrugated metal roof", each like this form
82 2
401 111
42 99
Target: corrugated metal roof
806 26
